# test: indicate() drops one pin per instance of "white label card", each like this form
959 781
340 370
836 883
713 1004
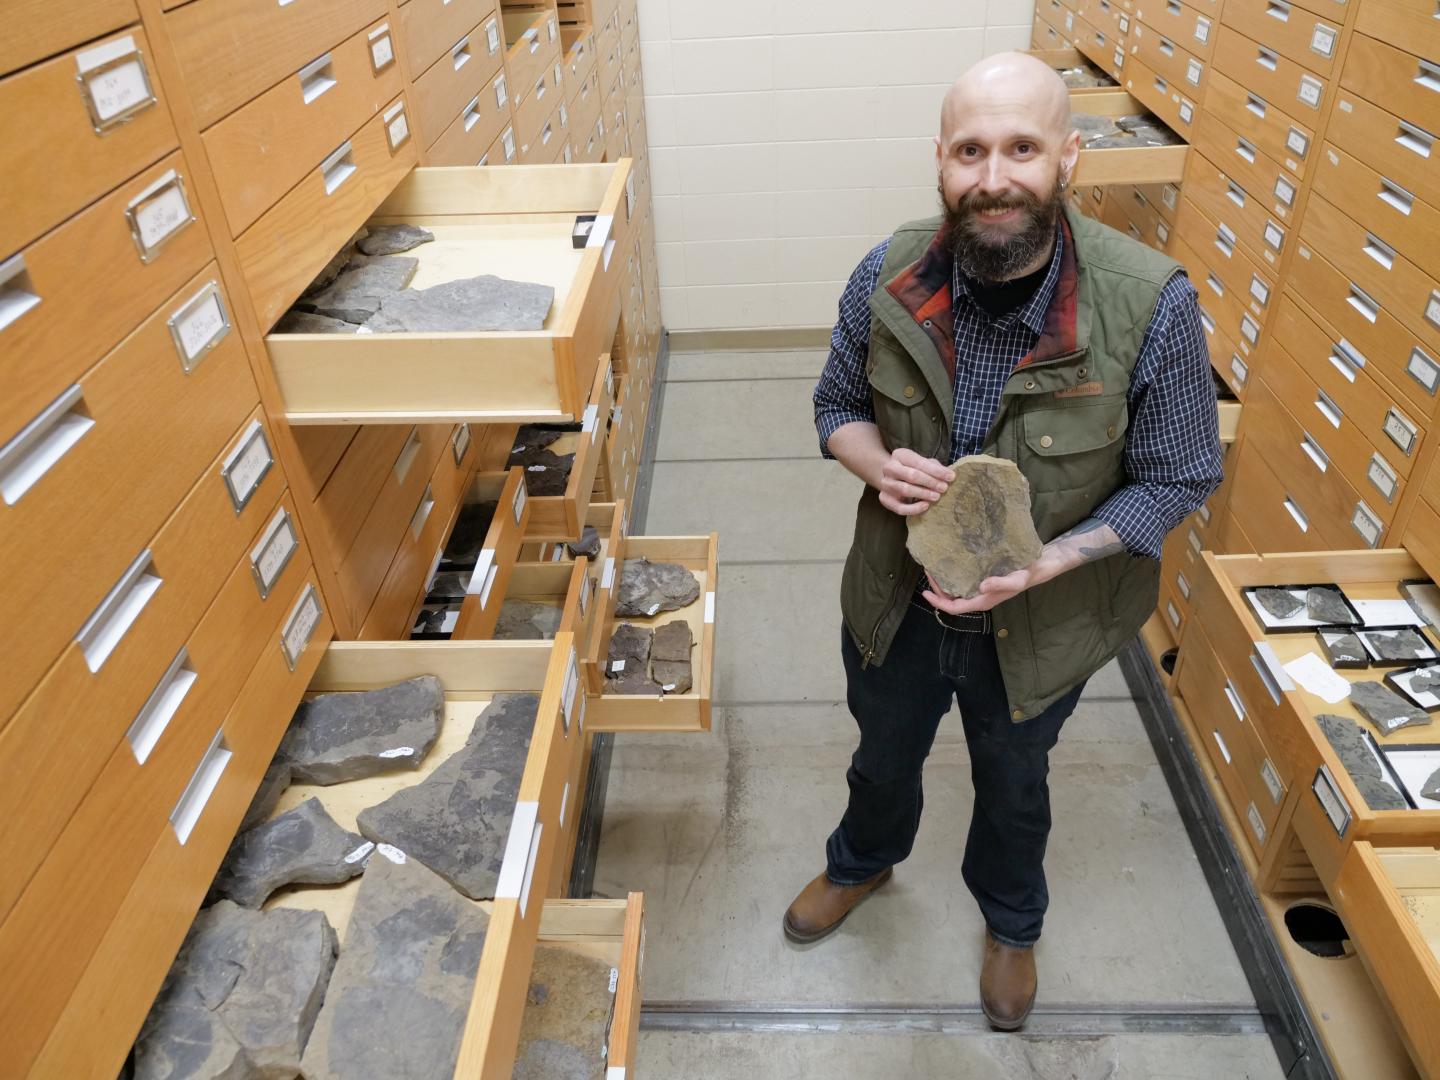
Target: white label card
397 127
1239 369
1310 90
1274 235
1382 477
1298 142
246 467
1193 71
158 213
270 557
199 325
1202 29
1183 585
460 444
1193 538
1259 290
519 504
1333 803
115 82
508 142
1163 232
1272 782
1174 613
1432 309
1256 823
1187 111
1401 431
492 36
1367 524
382 48
300 626
1250 329
1322 40
501 97
1285 191
1423 370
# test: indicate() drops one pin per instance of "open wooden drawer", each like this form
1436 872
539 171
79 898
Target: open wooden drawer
1124 165
1060 59
1390 901
472 672
490 576
1331 814
515 223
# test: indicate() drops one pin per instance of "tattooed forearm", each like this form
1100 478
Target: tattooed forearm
1088 541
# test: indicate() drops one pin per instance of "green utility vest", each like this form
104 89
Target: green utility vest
1062 420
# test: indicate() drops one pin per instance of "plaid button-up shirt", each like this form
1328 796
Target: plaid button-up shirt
1172 449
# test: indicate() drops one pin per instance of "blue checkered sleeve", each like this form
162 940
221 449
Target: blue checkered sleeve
842 396
1172 449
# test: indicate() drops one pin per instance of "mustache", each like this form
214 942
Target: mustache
975 202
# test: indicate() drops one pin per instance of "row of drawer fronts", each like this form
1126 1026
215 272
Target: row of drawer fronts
41 28
96 1029
325 379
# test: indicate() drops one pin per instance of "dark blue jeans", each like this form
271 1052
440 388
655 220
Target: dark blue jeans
898 705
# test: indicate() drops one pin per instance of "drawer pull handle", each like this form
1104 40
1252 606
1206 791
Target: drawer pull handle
17 293
1173 7
1312 450
1346 359
533 37
1429 76
460 54
1161 85
203 783
1099 38
1138 197
1293 509
42 443
1235 193
1256 105
338 167
1224 750
471 116
1327 408
540 88
164 702
1394 195
1225 241
407 454
1277 9
422 513
1206 320
316 78
1216 285
1269 59
545 135
122 605
1235 703
1380 251
1416 140
1361 301
1272 675
1244 148
1167 47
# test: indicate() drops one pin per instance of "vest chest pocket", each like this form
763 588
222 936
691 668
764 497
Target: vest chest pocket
1075 448
904 410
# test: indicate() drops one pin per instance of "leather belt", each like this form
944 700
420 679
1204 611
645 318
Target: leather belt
971 622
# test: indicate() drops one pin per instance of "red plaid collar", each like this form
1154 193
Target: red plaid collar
925 290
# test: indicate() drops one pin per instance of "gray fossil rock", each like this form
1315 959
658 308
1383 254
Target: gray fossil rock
457 819
634 682
241 998
267 795
1347 649
566 1019
1348 741
472 305
548 473
525 620
1091 127
1431 788
393 239
337 737
1388 711
1426 682
588 545
673 677
531 439
362 288
449 586
400 994
629 645
648 588
307 322
301 846
1399 645
1327 606
980 528
1281 603
330 271
673 642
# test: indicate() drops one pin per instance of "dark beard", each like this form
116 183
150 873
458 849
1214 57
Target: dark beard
982 259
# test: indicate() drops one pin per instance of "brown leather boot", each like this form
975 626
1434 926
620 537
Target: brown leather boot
1007 985
822 906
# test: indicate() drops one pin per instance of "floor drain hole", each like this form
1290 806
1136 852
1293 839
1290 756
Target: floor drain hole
1318 930
1167 660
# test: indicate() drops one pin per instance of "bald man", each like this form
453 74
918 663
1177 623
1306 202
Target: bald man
1013 327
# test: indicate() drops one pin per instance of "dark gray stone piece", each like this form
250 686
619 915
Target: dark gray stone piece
471 305
1328 606
529 440
1399 645
306 322
362 287
330 272
1388 711
241 998
1281 603
1347 649
1426 682
449 586
633 682
468 536
980 528
1092 127
1348 740
673 677
1431 788
566 1019
393 239
302 846
337 737
457 819
548 473
267 795
630 645
648 588
673 642
401 992
526 620
588 545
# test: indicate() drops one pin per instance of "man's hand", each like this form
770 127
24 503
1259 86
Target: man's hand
910 484
992 591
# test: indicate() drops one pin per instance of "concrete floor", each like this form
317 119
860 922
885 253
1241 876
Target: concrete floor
721 830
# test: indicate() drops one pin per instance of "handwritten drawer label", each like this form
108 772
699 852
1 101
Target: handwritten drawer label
1432 309
158 213
382 48
507 140
397 127
1285 191
1257 823
1182 584
247 465
1163 232
1423 370
1401 431
300 627
1274 235
1239 369
1272 781
1331 801
519 504
199 325
460 444
1250 330
1193 538
502 98
1298 142
1174 614
1322 41
1193 71
1367 524
1382 477
114 83
1187 111
1310 90
270 557
1202 29
1119 58
492 36
1259 290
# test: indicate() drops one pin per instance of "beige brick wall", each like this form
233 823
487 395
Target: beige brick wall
787 137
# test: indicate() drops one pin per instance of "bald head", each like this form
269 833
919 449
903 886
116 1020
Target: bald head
1014 85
